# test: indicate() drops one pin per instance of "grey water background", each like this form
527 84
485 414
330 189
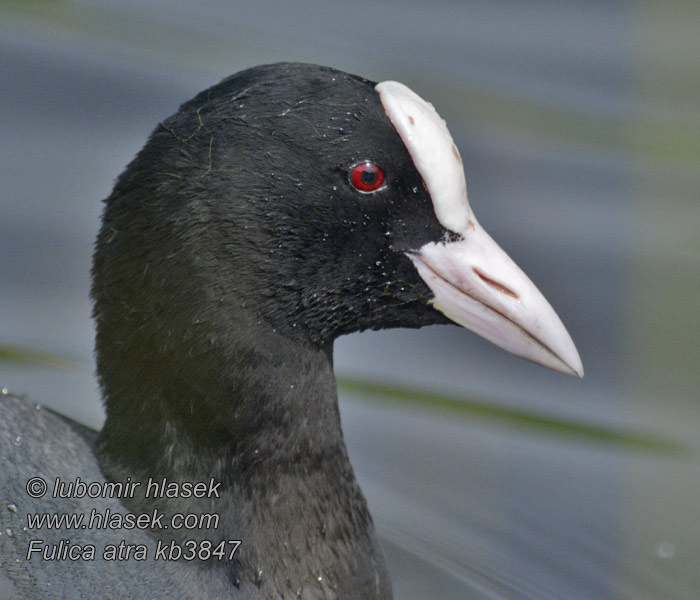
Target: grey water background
579 126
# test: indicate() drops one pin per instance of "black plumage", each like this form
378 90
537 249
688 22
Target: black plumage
233 251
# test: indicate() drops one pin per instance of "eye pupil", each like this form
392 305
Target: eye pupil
369 177
366 177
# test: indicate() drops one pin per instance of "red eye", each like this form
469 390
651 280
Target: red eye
366 177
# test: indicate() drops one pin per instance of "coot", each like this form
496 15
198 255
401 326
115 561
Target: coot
286 206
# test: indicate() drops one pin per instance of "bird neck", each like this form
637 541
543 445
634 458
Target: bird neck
267 427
